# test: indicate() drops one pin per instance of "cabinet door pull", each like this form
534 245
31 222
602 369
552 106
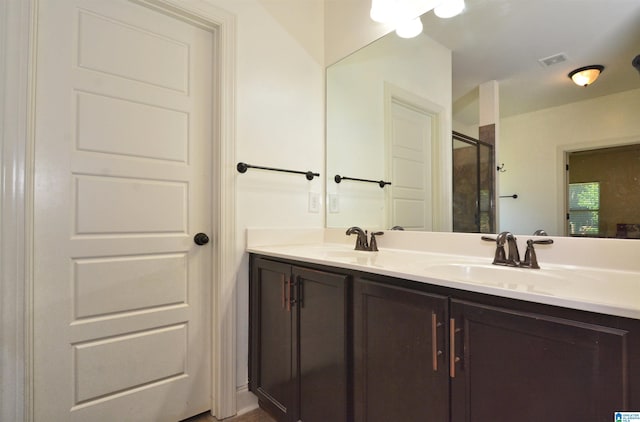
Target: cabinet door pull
284 294
453 359
434 341
300 300
289 292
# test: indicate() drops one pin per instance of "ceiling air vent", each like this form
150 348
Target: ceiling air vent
555 59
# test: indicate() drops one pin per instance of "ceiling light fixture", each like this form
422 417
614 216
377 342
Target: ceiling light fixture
409 29
587 75
636 62
449 8
404 15
382 11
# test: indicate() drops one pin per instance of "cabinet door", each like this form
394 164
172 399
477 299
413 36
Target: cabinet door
400 367
508 365
272 352
321 328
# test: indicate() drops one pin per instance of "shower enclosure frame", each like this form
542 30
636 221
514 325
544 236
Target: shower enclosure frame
480 185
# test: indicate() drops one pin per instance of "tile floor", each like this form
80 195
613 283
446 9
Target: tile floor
257 415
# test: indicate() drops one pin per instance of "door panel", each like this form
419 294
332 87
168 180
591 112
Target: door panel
400 371
123 127
535 366
133 283
321 303
272 368
132 205
165 62
410 149
122 183
95 359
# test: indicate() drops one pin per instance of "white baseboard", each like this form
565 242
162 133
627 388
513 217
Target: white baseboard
246 401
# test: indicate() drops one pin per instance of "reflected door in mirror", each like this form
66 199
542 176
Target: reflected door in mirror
409 202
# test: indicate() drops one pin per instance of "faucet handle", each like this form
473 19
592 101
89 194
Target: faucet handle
500 257
373 244
530 257
500 240
541 242
362 243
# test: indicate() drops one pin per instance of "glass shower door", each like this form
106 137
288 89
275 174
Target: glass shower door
473 181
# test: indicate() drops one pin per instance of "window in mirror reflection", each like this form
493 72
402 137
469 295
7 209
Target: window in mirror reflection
584 209
604 183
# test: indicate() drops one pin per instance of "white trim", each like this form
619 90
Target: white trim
16 86
247 401
18 21
224 312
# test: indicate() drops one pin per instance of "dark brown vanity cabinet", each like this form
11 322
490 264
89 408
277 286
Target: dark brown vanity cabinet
401 371
421 356
509 365
298 335
354 346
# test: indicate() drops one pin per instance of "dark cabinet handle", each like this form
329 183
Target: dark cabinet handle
300 301
289 293
434 341
284 294
201 239
453 359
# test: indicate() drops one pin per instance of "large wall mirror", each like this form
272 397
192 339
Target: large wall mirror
424 88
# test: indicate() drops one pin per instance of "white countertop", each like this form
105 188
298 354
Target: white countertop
601 290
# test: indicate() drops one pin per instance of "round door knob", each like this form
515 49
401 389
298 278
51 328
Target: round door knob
201 239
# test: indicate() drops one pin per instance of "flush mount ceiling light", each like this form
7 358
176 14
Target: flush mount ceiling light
404 15
636 62
587 75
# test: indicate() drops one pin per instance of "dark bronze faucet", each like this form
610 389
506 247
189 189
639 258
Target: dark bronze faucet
513 258
501 258
362 243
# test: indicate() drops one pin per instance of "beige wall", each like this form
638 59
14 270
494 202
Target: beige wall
282 49
348 28
532 145
279 123
356 119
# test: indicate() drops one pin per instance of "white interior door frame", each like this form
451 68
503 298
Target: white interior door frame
440 152
17 113
562 176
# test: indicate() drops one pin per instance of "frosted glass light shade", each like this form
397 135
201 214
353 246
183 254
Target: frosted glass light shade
409 29
449 8
402 13
382 11
587 75
397 11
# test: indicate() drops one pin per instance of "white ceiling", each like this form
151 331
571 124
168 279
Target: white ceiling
504 39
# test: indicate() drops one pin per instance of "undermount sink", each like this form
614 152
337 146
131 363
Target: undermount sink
511 278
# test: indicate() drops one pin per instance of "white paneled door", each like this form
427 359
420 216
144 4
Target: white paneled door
410 146
123 143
